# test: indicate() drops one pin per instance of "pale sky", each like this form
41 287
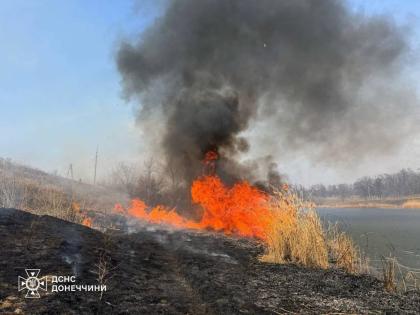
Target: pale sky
60 93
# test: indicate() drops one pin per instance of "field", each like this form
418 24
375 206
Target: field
156 261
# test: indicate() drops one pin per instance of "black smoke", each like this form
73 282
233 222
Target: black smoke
314 76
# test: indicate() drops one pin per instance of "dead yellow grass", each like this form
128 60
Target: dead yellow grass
388 274
343 252
39 199
412 203
297 236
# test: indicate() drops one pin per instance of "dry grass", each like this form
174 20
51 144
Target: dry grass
397 277
19 182
105 265
28 195
297 236
388 274
412 204
343 252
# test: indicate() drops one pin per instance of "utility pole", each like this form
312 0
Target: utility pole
96 165
70 171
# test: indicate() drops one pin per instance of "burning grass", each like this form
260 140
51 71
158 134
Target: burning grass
239 210
290 227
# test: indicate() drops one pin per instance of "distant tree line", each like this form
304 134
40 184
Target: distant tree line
404 183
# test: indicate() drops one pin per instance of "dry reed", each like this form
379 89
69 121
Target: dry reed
298 236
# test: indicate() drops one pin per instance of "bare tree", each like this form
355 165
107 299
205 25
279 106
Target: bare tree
125 177
151 183
402 184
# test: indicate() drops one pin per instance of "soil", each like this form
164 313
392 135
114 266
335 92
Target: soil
157 270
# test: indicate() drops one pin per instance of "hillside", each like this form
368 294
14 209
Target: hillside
39 192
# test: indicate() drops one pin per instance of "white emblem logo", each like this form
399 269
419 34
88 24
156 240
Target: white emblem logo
32 283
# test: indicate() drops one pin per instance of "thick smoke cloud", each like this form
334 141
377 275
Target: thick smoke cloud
315 77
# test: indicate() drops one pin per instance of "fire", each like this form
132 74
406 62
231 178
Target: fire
87 222
158 215
210 157
210 162
242 209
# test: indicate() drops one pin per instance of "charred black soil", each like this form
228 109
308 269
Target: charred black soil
161 271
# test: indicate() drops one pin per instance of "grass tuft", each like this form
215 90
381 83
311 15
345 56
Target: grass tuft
298 236
343 253
388 274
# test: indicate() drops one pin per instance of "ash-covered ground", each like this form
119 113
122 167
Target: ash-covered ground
154 270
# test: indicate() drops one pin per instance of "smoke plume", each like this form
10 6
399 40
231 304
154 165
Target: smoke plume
308 76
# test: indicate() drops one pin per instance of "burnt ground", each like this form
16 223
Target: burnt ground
161 271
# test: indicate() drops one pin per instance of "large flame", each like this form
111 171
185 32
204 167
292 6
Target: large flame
241 209
159 215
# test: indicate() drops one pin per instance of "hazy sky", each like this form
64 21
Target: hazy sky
60 95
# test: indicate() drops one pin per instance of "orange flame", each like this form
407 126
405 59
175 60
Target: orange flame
157 215
87 222
241 209
210 157
210 162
